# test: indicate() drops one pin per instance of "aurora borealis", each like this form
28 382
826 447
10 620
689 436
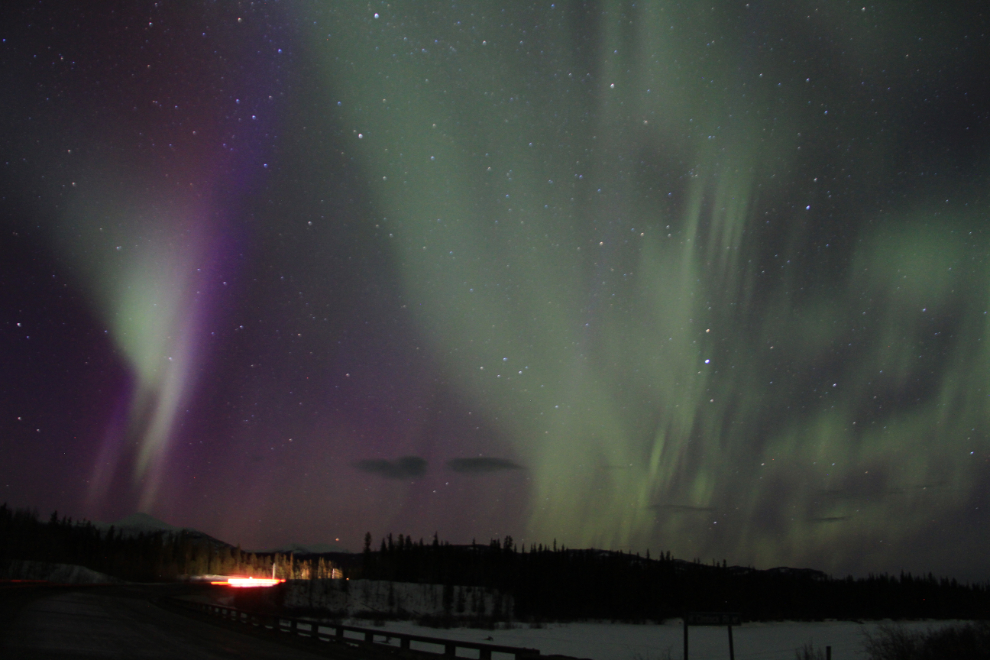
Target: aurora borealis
711 279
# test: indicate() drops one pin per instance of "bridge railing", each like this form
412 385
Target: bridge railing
333 632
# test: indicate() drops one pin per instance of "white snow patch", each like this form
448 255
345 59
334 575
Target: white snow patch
62 573
616 641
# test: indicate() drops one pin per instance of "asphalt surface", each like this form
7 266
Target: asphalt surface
122 622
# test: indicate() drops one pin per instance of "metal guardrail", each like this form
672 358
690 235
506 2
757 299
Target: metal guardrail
331 632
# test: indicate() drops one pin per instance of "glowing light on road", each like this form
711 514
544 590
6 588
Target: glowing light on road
248 582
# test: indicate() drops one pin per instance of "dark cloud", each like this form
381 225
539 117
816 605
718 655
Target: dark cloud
858 495
872 495
682 508
481 465
407 467
830 519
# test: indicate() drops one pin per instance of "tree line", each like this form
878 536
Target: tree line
546 582
142 557
558 583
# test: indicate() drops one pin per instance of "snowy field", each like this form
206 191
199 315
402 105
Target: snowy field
606 641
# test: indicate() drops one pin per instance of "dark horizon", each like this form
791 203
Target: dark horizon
390 542
710 280
535 584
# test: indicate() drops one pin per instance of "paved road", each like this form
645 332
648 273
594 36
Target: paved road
123 623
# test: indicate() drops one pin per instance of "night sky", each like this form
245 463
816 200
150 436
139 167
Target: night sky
710 278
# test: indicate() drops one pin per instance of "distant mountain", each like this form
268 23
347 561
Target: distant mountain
142 523
139 523
309 549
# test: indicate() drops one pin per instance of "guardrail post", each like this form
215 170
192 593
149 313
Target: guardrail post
265 620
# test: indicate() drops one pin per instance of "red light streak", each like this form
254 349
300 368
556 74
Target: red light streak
248 582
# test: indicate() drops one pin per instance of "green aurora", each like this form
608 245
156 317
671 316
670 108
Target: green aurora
619 243
707 278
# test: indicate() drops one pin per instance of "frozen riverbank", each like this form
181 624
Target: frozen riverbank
607 641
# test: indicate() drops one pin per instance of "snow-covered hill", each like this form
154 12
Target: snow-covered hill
138 523
142 523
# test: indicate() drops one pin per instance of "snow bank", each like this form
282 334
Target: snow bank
618 641
61 573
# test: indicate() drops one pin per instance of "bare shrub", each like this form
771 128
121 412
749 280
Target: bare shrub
808 652
666 654
970 641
